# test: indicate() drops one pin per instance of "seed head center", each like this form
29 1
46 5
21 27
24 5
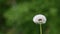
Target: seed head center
39 19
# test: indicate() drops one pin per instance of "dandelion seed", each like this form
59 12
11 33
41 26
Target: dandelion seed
39 19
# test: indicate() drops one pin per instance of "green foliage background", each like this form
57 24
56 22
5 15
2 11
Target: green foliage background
16 16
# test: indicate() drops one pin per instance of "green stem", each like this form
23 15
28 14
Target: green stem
40 29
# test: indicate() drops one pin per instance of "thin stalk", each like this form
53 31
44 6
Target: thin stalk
40 29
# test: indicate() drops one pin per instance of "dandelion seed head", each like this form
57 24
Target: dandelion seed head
39 19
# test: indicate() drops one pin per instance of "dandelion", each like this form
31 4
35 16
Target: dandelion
39 19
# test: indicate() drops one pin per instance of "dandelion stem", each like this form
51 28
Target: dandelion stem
40 29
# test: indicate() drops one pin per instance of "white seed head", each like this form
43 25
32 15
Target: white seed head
39 19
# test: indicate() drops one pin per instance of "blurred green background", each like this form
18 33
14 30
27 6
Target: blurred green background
16 16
